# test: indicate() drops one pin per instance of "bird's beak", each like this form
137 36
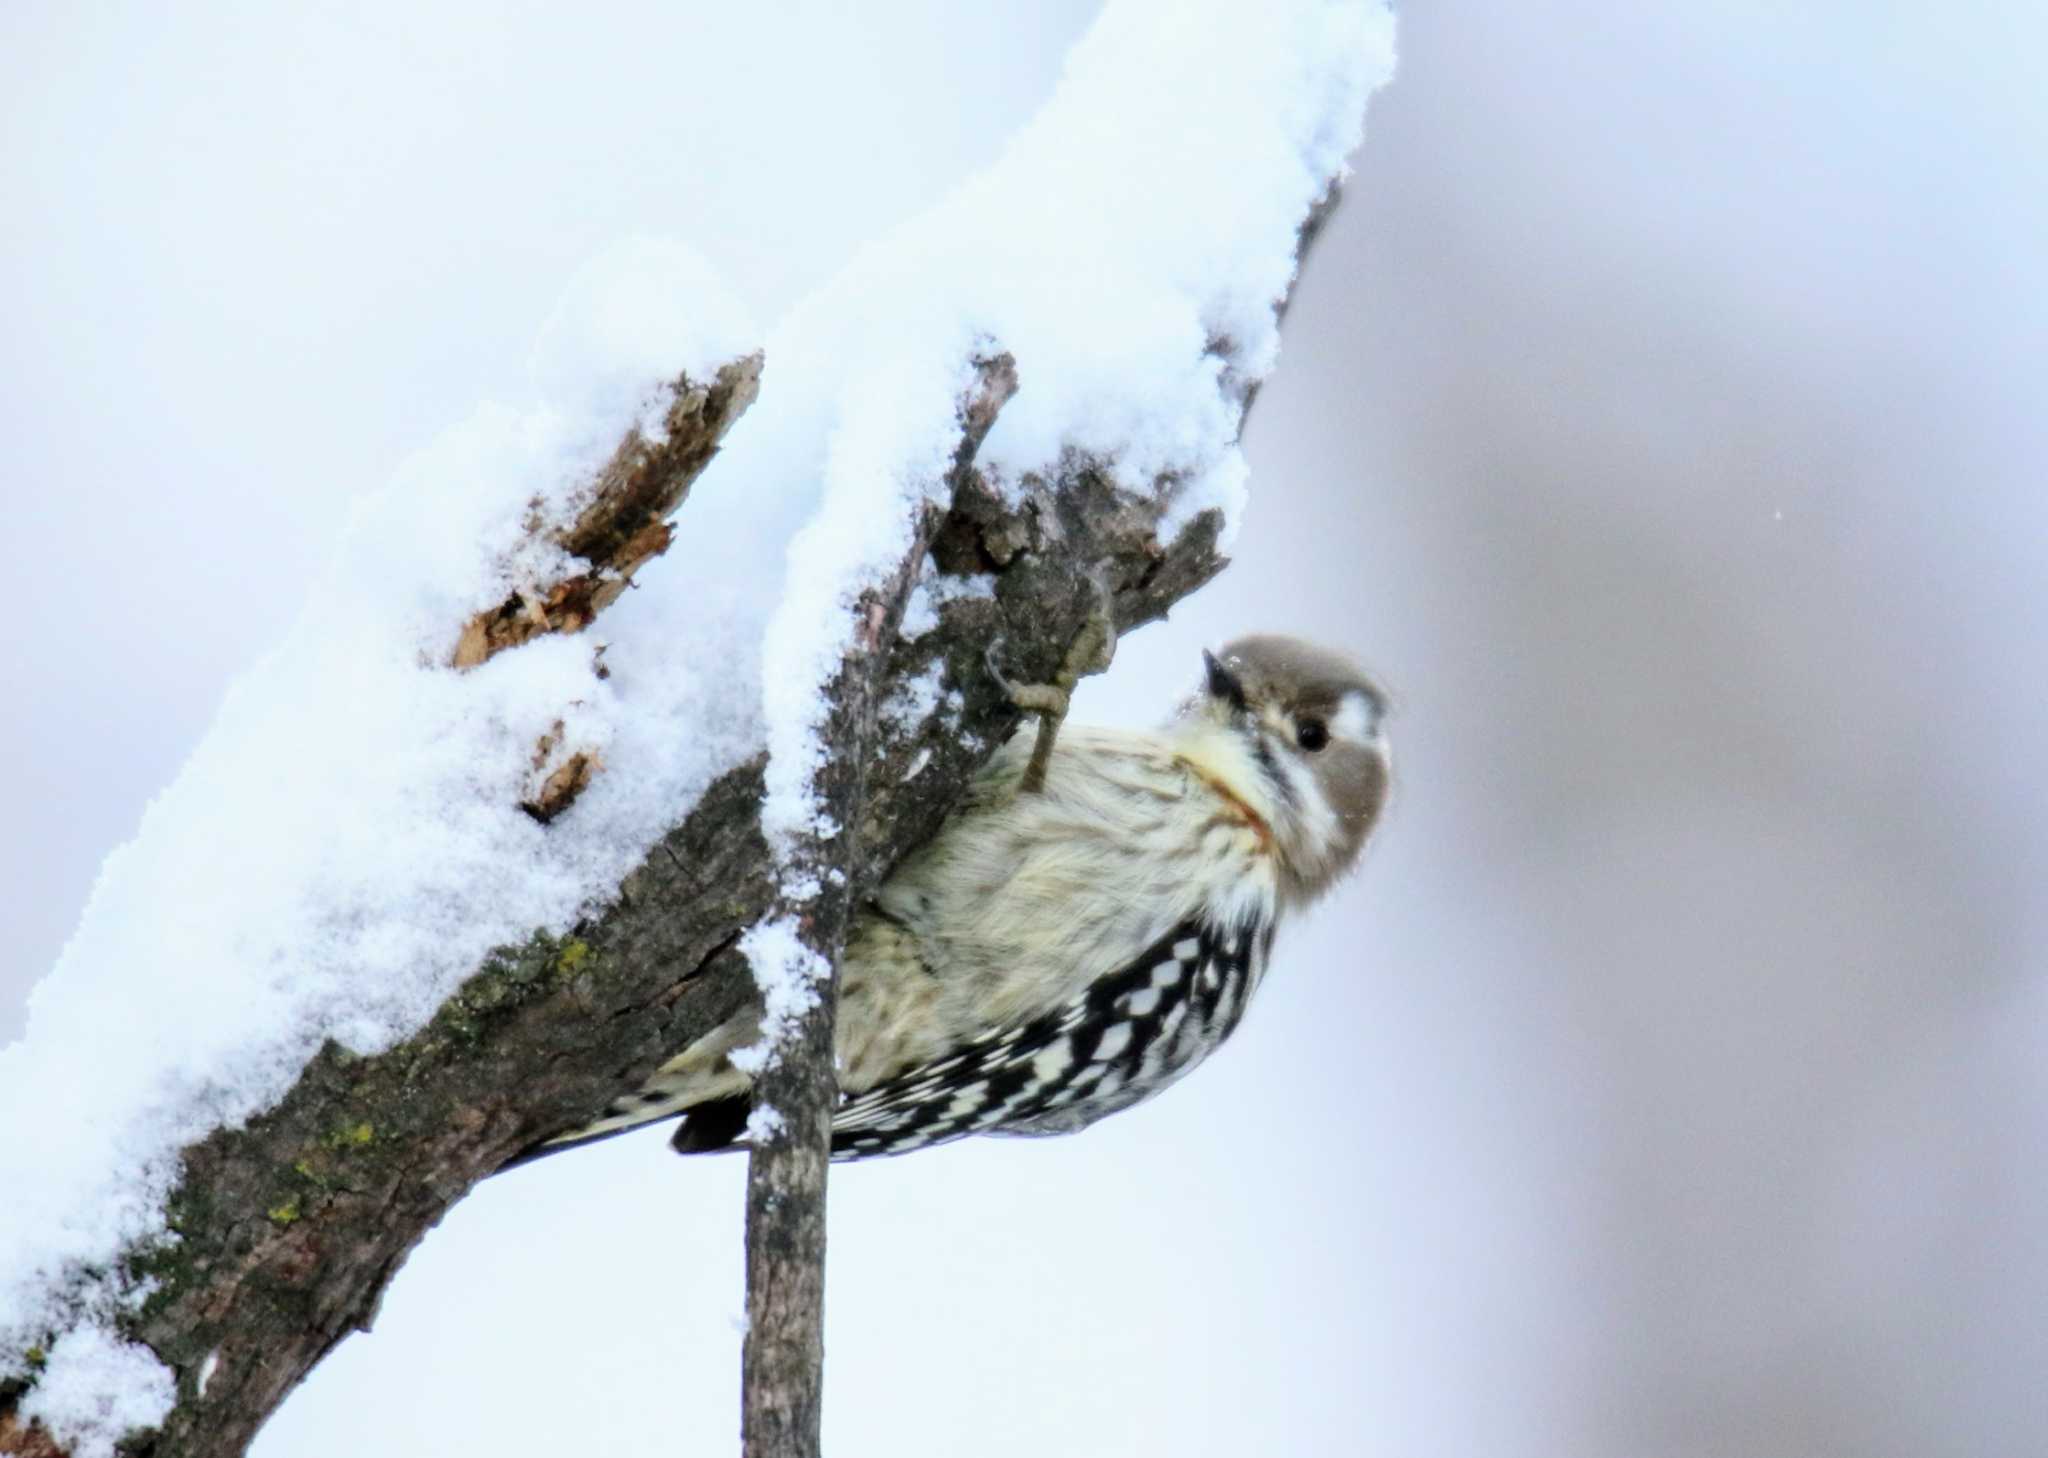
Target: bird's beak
1223 684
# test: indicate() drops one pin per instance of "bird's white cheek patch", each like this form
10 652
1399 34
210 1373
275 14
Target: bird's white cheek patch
1353 719
1313 812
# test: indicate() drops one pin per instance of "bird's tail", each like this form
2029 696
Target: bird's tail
714 1099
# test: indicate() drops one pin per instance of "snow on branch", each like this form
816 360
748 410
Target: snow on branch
360 953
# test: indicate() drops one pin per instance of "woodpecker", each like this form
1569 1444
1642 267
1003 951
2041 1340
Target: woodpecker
1087 927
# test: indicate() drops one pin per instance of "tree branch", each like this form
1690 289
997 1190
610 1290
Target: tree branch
288 1229
784 1352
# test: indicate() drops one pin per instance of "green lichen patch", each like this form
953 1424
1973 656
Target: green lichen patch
570 960
285 1212
542 959
509 980
352 1136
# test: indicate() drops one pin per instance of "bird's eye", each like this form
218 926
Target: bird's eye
1311 734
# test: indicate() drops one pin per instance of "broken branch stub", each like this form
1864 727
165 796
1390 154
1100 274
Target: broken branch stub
623 523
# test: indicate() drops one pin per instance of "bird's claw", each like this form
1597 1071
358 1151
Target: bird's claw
1090 652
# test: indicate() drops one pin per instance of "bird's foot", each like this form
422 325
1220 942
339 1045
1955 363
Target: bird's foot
1091 652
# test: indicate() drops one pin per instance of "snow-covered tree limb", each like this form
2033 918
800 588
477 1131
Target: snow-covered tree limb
482 871
289 1228
797 949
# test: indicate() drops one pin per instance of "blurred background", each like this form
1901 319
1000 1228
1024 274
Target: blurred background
1661 416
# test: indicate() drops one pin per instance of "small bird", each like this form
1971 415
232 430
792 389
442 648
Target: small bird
1087 927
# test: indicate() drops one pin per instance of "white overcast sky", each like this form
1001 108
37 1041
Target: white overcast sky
1662 416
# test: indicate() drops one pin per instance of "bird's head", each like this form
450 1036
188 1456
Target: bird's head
1294 733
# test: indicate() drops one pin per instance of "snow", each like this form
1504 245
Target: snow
643 309
346 845
789 974
892 441
933 592
917 699
95 1387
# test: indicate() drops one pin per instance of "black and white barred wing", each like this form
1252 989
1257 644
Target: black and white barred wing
1129 1035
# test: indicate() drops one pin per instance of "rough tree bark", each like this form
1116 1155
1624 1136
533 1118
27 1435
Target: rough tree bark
289 1229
